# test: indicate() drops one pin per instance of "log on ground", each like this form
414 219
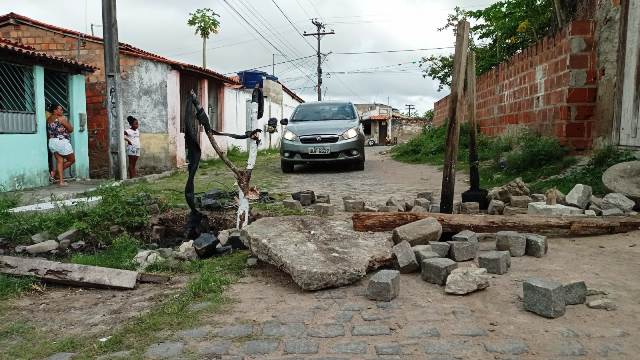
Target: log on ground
565 225
71 274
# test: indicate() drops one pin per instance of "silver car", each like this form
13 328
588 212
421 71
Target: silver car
322 132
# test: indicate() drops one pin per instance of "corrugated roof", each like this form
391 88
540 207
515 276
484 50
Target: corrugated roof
28 51
124 47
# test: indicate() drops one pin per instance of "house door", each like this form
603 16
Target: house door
382 133
630 106
56 90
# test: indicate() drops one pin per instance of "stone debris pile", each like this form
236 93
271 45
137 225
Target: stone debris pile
549 298
316 204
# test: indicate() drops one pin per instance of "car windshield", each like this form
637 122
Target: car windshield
320 112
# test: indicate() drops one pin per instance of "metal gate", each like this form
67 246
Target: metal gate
56 91
630 105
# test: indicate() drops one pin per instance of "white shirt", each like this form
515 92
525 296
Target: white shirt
133 136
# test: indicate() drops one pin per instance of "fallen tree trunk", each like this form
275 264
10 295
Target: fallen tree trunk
71 274
492 223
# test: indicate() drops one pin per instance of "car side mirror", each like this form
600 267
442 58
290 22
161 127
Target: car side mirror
284 122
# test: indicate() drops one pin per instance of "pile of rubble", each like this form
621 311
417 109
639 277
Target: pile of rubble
44 243
319 205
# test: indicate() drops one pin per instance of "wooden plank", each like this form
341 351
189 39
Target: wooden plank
71 274
575 225
470 93
455 117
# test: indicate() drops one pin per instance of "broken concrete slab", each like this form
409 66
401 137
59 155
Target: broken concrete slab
540 208
186 251
511 241
405 258
437 270
292 204
40 237
463 281
42 247
145 258
624 178
419 232
72 234
619 201
575 293
317 252
579 196
544 297
57 205
465 235
496 207
73 274
384 285
463 250
496 262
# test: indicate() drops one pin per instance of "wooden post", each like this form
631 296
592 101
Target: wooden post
470 93
455 116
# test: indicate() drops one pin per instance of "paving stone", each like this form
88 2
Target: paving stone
425 203
496 207
370 330
295 317
353 205
608 349
326 330
125 354
419 331
260 347
300 346
544 297
465 235
330 294
373 315
351 347
164 350
443 347
541 208
194 333
463 250
61 356
496 262
440 248
507 346
519 201
323 209
568 333
570 348
385 284
220 347
275 328
352 307
575 293
437 270
470 208
537 245
405 258
323 199
388 349
419 232
471 331
511 241
235 331
419 209
425 254
344 316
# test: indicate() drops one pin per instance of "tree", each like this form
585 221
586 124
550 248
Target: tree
428 115
498 32
205 22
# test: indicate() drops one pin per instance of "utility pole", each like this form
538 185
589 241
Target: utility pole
410 107
92 26
319 34
117 158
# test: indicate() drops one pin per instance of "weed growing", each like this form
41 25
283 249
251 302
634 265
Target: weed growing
118 256
12 285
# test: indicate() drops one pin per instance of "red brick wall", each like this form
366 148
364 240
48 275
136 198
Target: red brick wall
92 53
549 87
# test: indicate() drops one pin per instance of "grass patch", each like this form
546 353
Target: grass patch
13 285
119 255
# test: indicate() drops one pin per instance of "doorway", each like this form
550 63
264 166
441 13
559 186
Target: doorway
56 91
629 129
382 133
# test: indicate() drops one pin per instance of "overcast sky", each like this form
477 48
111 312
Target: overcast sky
160 26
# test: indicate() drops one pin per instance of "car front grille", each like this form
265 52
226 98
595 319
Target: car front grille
319 139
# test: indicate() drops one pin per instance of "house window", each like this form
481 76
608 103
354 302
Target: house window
17 99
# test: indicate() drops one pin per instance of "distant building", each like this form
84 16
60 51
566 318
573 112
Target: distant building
30 79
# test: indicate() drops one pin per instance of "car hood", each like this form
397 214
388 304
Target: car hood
328 127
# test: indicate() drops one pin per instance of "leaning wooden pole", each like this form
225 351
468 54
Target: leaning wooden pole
470 93
455 116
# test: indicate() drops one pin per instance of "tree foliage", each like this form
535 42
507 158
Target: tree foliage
205 22
497 33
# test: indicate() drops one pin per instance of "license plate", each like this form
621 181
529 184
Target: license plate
319 150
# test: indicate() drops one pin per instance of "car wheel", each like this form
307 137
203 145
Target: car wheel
286 166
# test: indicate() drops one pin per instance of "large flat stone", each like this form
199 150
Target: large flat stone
579 196
624 178
617 200
317 252
540 208
419 232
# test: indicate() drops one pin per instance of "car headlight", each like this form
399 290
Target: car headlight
350 134
288 135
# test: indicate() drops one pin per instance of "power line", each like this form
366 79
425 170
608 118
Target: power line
392 51
278 63
292 24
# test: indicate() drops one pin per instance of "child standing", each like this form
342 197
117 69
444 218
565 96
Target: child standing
132 136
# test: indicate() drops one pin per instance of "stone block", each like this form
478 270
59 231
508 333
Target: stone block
40 237
537 245
71 235
306 197
612 212
323 199
619 201
440 248
292 204
463 250
538 198
385 208
370 209
434 208
425 195
405 258
437 270
465 235
519 201
353 205
597 210
540 208
205 245
419 209
579 196
590 213
419 232
575 293
425 254
470 208
422 202
496 262
544 297
407 206
511 241
384 285
323 209
42 247
510 211
496 207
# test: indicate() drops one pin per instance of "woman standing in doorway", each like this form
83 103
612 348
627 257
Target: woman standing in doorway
58 130
132 136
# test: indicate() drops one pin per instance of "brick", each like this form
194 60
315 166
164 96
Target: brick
580 27
575 130
579 61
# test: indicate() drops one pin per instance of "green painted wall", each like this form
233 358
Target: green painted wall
23 163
